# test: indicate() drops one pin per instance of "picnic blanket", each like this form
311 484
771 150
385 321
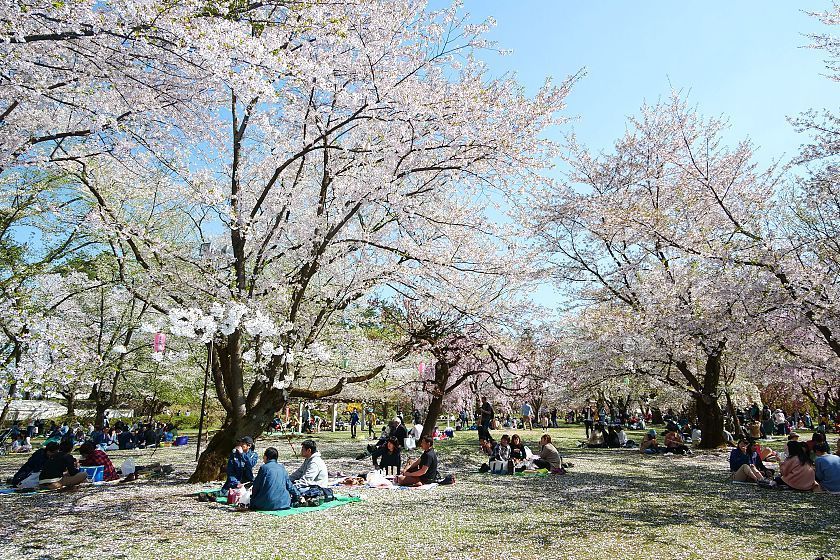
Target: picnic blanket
15 491
385 487
536 472
338 502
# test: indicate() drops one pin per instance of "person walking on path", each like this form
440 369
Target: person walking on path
371 420
354 423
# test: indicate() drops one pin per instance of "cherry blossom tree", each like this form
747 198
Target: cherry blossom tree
624 230
330 149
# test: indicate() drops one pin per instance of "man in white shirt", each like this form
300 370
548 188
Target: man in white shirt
313 471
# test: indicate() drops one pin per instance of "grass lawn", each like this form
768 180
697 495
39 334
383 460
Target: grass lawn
613 504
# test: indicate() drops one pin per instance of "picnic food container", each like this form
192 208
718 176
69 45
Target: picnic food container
94 474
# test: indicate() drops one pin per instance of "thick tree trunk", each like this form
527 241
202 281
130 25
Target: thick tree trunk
709 413
435 406
213 460
438 395
711 422
10 397
70 401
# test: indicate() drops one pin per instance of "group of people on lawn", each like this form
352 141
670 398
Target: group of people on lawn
511 450
53 466
273 488
809 465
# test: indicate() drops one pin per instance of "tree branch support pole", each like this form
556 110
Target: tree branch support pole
204 397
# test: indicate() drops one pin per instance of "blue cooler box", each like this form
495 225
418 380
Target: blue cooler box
94 474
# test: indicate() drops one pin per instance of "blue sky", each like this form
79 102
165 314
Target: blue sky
742 59
745 60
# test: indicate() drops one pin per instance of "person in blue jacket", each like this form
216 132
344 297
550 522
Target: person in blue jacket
240 465
272 489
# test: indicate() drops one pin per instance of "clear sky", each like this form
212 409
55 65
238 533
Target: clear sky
743 59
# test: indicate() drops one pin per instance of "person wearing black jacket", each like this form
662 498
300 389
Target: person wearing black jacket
35 463
396 430
61 469
487 413
125 439
151 436
390 456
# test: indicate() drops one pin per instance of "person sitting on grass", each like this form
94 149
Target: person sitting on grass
125 439
674 442
390 457
22 444
597 438
797 471
742 463
61 469
313 471
273 489
396 429
486 442
502 450
827 468
92 456
649 445
424 469
35 463
623 441
611 440
816 439
548 457
240 464
517 448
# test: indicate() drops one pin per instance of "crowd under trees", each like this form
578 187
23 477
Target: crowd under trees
316 194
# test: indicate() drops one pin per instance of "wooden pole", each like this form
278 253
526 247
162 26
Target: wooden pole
204 397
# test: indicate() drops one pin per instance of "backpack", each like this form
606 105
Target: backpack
317 491
447 480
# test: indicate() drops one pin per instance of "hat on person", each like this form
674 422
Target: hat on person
793 436
247 439
652 433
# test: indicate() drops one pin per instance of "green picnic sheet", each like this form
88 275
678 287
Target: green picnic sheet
538 472
339 501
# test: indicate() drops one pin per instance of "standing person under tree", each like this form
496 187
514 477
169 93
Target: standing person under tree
487 414
354 423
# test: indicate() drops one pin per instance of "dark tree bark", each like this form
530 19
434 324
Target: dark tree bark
438 395
709 413
70 402
213 460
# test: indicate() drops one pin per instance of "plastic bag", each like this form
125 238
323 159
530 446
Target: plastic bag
409 443
244 496
499 467
234 495
128 467
376 478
